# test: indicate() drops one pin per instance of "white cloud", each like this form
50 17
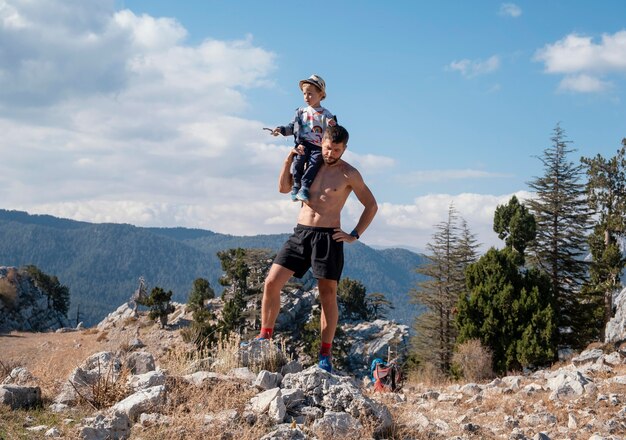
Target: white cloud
510 10
106 116
369 163
584 62
471 68
447 175
100 107
583 83
413 224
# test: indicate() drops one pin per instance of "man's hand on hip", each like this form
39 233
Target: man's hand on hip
340 235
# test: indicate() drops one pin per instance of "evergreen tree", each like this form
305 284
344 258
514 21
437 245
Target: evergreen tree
378 305
515 225
235 278
509 310
351 296
606 194
58 294
450 251
159 303
562 219
200 292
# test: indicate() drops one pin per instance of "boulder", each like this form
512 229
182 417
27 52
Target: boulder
103 366
18 376
140 402
267 380
146 380
338 394
336 425
140 362
615 330
113 426
20 396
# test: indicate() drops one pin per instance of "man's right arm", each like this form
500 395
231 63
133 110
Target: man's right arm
285 179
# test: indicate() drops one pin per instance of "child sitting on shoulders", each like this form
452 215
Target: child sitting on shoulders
308 127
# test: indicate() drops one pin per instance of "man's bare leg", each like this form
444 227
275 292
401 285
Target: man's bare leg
270 306
330 311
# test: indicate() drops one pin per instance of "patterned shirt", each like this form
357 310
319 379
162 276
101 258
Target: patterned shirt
309 125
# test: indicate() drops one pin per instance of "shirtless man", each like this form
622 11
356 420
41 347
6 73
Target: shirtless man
317 241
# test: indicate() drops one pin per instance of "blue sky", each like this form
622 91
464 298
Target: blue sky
150 112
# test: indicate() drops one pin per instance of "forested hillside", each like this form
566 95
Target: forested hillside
101 263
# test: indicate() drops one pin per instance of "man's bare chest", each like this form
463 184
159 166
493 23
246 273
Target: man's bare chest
330 183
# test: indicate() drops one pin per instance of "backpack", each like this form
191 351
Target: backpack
386 376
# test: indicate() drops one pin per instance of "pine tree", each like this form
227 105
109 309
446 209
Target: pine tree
515 225
200 292
351 296
562 219
58 294
508 308
235 278
606 194
450 251
378 305
159 303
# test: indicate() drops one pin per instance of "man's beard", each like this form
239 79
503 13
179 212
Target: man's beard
331 160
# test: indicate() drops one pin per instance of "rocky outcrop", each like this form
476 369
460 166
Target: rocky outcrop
615 330
23 306
20 396
376 339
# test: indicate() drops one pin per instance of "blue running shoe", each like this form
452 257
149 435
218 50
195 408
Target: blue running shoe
325 363
303 194
294 193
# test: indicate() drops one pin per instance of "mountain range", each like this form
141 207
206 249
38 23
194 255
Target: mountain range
102 262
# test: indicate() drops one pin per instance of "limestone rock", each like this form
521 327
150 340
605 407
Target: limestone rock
20 396
336 425
80 383
615 330
146 380
140 402
25 307
18 376
140 362
267 380
113 426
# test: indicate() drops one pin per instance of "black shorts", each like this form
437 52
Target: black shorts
312 247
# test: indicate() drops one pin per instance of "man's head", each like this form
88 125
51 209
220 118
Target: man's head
334 144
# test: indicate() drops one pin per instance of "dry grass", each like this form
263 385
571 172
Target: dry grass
474 360
194 413
427 375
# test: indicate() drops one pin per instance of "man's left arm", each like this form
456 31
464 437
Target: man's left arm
370 207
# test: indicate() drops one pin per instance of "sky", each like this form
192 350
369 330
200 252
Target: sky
150 112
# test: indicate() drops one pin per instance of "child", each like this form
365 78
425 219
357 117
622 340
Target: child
307 127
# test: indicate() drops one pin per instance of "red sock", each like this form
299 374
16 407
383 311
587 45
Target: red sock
325 349
266 333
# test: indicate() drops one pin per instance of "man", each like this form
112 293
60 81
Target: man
317 241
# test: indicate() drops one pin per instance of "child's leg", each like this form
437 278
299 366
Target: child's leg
314 163
298 169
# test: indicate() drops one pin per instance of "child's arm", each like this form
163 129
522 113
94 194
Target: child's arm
287 130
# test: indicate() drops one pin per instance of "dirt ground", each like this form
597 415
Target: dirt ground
51 357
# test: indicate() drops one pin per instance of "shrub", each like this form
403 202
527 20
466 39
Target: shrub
473 360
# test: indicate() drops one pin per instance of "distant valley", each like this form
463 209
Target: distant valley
101 263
